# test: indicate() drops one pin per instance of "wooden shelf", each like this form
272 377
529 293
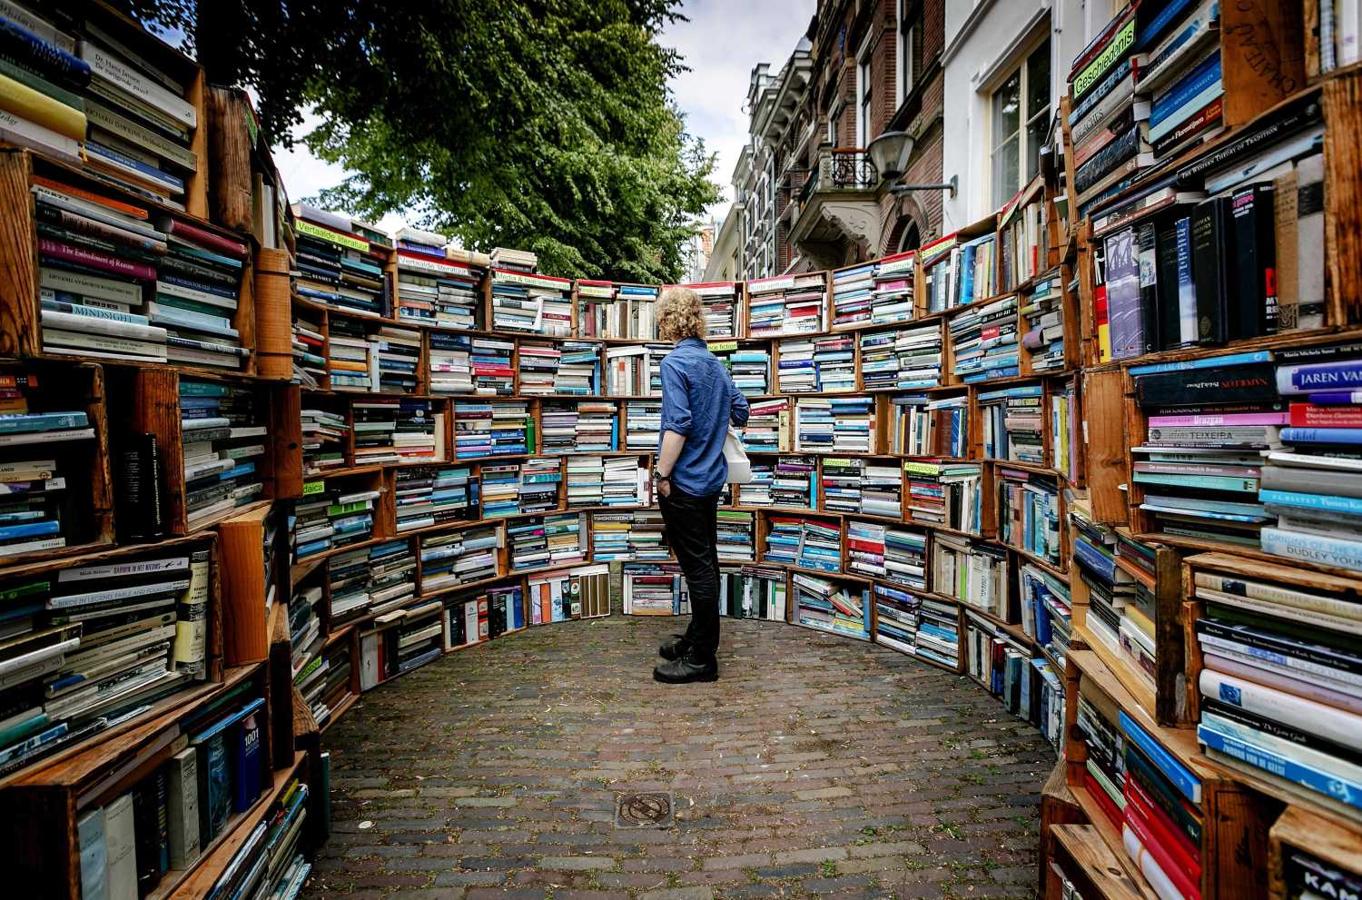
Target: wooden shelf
1088 849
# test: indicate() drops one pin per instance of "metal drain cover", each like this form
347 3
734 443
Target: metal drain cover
649 810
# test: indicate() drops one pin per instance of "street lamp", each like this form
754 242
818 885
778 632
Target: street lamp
890 152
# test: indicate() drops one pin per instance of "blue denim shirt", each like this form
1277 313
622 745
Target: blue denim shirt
699 399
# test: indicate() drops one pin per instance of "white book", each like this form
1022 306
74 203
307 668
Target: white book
38 137
98 325
182 806
94 870
1306 715
121 839
105 65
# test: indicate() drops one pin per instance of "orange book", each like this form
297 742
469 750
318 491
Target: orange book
119 206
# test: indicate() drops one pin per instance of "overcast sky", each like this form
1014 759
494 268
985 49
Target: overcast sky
721 43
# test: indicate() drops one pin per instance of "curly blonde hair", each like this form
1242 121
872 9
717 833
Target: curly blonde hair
680 315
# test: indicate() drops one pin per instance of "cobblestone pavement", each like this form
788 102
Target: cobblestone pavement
816 765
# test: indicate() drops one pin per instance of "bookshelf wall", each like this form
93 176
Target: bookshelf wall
371 450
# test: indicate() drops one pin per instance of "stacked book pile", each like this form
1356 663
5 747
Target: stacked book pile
902 358
654 589
834 424
1313 483
538 366
750 368
926 628
1208 422
351 358
197 282
851 295
825 364
752 592
324 437
605 481
1239 260
1022 234
305 631
1120 607
433 289
530 303
451 364
867 487
628 535
1278 689
514 260
1156 804
617 311
722 303
905 554
635 371
338 265
830 606
409 638
224 442
589 426
768 426
866 548
893 292
329 516
1028 513
1027 686
896 617
960 272
735 536
950 425
510 489
579 368
943 493
492 429
327 686
970 572
434 495
794 483
1065 428
491 362
348 576
912 428
1042 311
1013 423
392 431
547 540
309 350
459 558
93 643
643 426
1046 613
757 492
39 452
984 342
390 576
420 433
807 543
787 304
86 99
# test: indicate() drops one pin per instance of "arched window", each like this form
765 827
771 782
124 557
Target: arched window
911 238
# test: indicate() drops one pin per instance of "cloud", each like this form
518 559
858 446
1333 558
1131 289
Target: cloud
720 44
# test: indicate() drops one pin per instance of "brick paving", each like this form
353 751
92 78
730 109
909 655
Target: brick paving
815 766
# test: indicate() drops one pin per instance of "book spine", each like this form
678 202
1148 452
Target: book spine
95 260
1176 772
1210 248
1284 767
191 627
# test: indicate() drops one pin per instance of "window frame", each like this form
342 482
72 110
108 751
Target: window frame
908 18
1025 119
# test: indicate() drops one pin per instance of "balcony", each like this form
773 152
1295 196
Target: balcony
837 207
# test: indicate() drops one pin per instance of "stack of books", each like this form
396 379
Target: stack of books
852 290
654 589
451 364
395 431
643 426
330 516
984 342
309 350
323 440
1313 483
511 489
959 272
768 426
1046 612
886 551
892 301
912 428
925 628
635 371
538 367
757 492
197 283
492 429
787 304
1208 422
305 631
490 360
224 436
407 638
39 455
348 578
1340 39
1160 818
351 358
579 368
834 424
826 364
514 260
750 366
752 592
722 303
807 543
831 606
605 481
866 487
458 558
903 358
530 303
433 289
945 493
1042 311
1278 689
896 617
588 426
547 541
390 576
338 264
949 432
628 535
1028 513
970 572
617 311
434 495
1118 604
735 536
93 643
794 483
1013 424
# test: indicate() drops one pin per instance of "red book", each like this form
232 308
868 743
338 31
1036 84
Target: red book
1159 820
203 237
1187 862
1103 799
1310 415
92 259
867 546
1186 886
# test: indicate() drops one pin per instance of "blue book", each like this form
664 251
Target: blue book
1179 775
1316 548
1154 28
1316 377
29 422
36 529
1196 81
1211 362
1348 506
215 786
1322 435
246 764
27 48
1329 784
1094 559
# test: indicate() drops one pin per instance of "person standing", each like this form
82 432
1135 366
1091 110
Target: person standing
699 400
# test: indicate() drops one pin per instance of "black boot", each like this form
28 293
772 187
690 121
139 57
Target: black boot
674 647
686 669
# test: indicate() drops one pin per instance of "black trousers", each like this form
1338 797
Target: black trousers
692 525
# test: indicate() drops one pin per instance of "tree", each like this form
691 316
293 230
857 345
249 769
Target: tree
539 124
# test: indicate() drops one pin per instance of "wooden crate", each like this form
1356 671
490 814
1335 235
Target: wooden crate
252 583
1322 838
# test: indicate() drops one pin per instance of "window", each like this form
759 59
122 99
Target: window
863 93
909 22
1021 117
911 239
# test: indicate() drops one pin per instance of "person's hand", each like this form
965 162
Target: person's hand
664 487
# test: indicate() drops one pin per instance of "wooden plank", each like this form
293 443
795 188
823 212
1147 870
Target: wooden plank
1262 55
18 257
273 314
1097 863
229 158
1342 100
1057 807
1105 445
242 600
1323 838
1234 841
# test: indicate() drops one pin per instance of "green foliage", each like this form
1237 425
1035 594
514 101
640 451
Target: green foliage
539 124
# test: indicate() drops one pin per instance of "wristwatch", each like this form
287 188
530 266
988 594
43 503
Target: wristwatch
659 477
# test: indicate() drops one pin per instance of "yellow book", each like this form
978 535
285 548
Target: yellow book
37 107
